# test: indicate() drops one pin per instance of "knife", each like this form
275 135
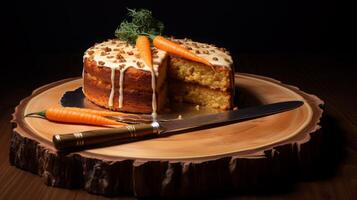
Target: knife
129 133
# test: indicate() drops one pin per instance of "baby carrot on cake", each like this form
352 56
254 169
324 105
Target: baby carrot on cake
74 116
143 45
177 50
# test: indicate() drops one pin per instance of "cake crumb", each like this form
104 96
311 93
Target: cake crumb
197 107
179 117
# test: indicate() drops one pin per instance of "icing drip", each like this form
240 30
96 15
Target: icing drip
111 96
121 78
153 103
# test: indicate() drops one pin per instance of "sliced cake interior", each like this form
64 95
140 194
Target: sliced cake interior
201 84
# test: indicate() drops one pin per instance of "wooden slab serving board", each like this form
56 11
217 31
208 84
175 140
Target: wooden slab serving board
195 163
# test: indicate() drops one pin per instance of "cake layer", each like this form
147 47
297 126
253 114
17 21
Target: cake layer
138 101
197 94
133 78
198 73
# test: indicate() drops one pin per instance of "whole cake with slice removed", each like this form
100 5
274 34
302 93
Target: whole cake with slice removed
122 76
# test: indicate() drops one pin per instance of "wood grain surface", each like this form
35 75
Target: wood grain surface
333 177
215 142
197 163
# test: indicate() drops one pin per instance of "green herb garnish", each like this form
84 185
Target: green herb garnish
142 23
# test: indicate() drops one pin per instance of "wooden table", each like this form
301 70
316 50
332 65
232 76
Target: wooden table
331 77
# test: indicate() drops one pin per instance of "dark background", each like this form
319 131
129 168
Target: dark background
45 40
308 44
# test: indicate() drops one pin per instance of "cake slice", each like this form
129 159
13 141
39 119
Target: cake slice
198 83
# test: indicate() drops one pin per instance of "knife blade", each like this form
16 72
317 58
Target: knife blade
140 131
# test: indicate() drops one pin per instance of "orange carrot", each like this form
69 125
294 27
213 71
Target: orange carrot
97 112
73 116
143 45
177 50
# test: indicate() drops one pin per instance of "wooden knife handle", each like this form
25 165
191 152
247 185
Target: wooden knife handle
94 137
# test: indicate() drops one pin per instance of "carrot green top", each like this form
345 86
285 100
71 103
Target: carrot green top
142 23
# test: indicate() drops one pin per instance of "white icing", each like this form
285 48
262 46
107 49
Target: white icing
121 83
111 96
128 52
154 102
213 54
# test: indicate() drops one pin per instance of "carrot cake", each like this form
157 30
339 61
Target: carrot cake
115 77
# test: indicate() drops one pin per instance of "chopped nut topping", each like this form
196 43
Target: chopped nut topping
90 52
189 48
215 58
195 45
116 49
119 56
140 64
205 51
197 52
212 50
222 49
226 59
130 53
103 53
154 51
107 49
113 42
110 57
137 55
155 56
121 66
101 62
121 51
